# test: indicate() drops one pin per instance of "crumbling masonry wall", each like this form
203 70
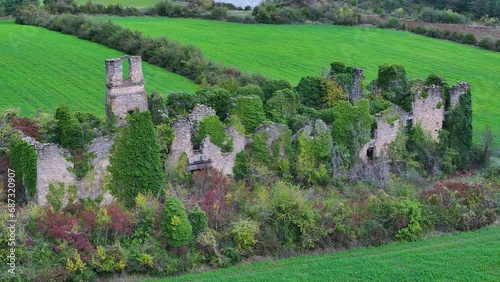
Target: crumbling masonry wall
124 95
54 168
208 151
429 112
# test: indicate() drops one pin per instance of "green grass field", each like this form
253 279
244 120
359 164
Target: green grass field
471 256
293 51
41 69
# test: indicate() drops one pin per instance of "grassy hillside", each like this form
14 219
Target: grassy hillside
293 51
472 256
41 69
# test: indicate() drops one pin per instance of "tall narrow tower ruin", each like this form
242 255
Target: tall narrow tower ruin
124 95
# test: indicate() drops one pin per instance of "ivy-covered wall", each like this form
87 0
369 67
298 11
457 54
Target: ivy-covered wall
23 159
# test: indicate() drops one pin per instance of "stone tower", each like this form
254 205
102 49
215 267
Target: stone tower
124 95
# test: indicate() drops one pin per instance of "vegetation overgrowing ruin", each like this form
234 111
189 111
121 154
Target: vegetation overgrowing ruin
166 184
245 168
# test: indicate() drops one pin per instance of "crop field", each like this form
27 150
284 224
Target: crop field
292 51
469 256
41 69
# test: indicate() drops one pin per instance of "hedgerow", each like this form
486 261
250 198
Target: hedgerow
185 60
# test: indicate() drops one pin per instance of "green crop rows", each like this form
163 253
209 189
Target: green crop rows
41 69
469 256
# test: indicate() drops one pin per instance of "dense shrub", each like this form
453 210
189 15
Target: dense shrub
244 232
176 226
170 9
458 123
352 126
487 43
69 132
216 98
292 216
135 162
213 127
393 83
250 110
437 16
251 90
198 220
313 156
240 168
180 104
311 91
23 160
469 39
272 86
282 106
218 13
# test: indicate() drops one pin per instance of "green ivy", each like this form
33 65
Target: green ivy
250 110
23 159
282 106
176 226
458 123
393 83
352 126
135 162
213 127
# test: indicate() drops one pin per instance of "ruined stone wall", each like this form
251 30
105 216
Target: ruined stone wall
123 96
456 92
429 112
181 143
208 151
52 168
93 183
385 135
357 92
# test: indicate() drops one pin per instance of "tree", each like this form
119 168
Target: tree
135 162
216 98
352 126
250 110
272 86
393 83
458 123
68 130
176 226
283 105
311 91
11 6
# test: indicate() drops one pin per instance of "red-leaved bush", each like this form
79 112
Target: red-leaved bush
121 220
26 126
62 227
211 188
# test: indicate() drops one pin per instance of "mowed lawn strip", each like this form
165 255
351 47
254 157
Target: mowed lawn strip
292 51
42 69
470 256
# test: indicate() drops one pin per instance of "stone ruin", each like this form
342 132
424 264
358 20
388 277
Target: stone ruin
209 154
428 112
356 93
127 95
53 167
124 95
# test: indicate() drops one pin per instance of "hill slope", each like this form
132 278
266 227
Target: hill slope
293 51
471 256
41 69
